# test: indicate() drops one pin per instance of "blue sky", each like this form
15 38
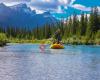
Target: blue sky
58 8
88 3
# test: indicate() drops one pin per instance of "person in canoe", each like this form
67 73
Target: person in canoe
57 37
57 44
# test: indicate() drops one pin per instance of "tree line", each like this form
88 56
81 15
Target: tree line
85 29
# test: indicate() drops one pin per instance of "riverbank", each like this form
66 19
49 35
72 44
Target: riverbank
2 44
72 41
33 41
3 39
81 41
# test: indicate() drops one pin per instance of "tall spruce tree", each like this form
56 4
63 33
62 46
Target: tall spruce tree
74 24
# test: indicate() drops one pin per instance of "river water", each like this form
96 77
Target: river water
29 62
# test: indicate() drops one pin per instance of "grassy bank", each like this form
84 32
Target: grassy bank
81 41
33 41
3 39
73 41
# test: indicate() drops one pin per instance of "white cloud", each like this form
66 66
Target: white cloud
59 10
15 0
64 1
37 10
12 3
98 8
52 5
42 5
81 7
72 1
45 5
47 0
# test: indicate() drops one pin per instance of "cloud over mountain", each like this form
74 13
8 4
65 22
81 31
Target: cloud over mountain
14 0
56 6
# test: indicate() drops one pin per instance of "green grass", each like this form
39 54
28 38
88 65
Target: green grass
74 41
82 41
3 39
34 41
71 40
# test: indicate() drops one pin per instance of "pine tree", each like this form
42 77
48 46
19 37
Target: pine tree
82 24
75 24
86 23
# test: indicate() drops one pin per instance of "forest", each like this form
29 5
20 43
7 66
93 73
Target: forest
75 30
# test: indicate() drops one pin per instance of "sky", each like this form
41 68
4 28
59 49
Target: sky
55 6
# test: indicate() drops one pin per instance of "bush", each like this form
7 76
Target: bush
98 34
3 39
97 38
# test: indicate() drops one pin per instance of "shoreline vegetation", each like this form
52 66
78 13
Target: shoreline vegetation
71 41
3 39
77 31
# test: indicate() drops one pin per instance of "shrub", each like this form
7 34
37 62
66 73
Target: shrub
3 39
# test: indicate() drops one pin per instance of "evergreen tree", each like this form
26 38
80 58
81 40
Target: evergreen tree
82 25
75 24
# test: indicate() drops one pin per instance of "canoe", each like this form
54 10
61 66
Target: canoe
57 46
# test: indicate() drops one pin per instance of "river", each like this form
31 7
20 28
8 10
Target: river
29 62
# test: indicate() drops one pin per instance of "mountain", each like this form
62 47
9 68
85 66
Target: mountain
23 8
22 16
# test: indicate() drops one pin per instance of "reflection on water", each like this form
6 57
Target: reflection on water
27 62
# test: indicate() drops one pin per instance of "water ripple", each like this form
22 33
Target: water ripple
28 62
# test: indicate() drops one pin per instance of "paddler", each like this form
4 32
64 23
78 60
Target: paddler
57 37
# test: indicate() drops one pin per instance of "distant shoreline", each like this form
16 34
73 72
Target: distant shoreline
46 41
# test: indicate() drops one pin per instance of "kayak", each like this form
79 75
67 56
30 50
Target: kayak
57 46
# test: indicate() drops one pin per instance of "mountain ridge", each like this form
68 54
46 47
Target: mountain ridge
22 16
